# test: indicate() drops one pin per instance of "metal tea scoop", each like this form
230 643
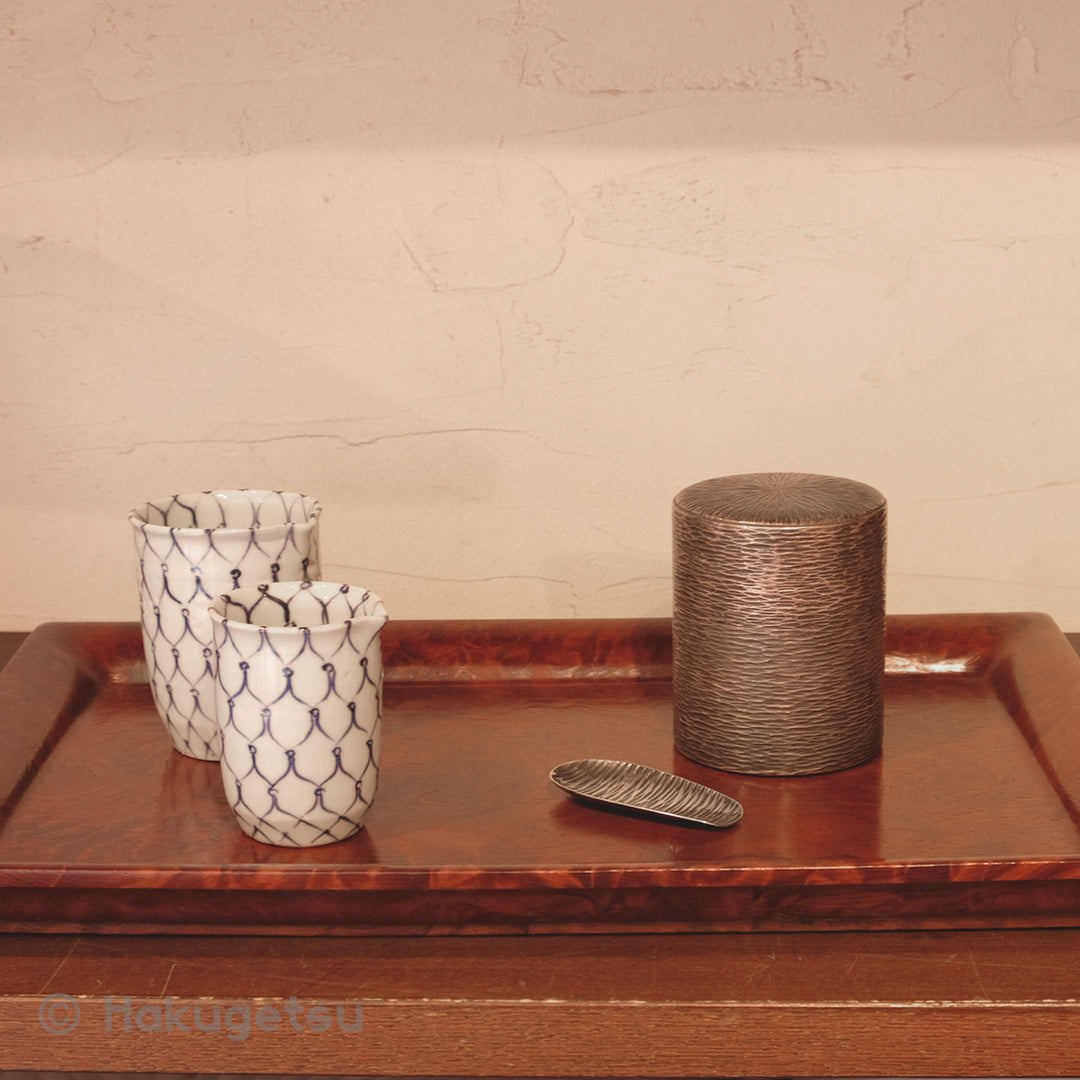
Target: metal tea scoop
651 791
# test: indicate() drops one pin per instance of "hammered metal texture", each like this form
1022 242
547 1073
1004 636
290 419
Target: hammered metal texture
779 623
650 791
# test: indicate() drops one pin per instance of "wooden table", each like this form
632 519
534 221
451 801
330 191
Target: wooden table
914 1003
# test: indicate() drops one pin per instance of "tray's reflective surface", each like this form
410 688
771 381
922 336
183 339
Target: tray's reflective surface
968 818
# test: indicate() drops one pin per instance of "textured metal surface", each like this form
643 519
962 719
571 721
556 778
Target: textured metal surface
651 791
779 623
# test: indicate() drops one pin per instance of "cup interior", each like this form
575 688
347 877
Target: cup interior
241 508
298 604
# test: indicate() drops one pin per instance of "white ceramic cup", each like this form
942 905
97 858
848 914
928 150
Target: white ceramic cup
191 548
299 701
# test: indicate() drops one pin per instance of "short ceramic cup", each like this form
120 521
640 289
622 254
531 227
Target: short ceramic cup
299 702
191 548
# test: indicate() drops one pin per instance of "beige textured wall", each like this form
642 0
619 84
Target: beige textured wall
495 280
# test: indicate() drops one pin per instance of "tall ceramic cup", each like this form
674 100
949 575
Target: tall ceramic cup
299 699
191 548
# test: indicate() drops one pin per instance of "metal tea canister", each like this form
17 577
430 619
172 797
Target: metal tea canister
778 632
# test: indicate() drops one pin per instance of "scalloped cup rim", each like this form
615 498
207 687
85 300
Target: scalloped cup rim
218 614
137 515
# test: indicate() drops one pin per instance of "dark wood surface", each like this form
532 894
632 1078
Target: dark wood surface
983 1003
911 1003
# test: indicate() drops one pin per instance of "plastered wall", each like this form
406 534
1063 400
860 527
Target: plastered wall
494 280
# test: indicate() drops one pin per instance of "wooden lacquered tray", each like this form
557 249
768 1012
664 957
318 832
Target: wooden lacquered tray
970 818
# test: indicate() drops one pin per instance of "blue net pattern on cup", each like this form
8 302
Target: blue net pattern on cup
301 743
181 567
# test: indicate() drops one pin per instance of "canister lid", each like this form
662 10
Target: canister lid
781 498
